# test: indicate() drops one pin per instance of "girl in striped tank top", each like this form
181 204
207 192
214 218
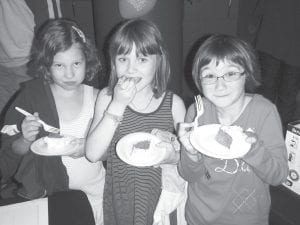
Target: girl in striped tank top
136 100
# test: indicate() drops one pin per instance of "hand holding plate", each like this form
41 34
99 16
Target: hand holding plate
184 133
78 145
168 152
251 137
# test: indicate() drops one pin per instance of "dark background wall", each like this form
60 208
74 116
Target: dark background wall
183 24
166 14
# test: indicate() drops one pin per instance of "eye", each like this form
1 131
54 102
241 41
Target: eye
208 76
121 59
143 59
58 65
232 74
77 63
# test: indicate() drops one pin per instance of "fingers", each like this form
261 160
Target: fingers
127 82
184 128
30 127
251 140
78 146
184 132
125 90
251 137
166 145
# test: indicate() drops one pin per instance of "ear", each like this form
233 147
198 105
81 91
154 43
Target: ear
135 8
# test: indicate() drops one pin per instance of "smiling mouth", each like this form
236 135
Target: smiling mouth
221 96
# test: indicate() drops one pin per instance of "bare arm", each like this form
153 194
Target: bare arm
108 110
102 128
178 112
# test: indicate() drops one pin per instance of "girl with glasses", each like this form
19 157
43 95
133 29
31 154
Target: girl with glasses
234 190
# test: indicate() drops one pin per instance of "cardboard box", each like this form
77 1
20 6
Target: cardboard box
292 141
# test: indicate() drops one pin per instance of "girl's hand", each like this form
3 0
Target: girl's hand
251 137
78 145
124 90
170 153
184 132
30 127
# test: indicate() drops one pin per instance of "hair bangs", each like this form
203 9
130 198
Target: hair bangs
145 44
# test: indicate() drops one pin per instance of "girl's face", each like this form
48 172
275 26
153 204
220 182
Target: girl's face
68 68
222 93
140 67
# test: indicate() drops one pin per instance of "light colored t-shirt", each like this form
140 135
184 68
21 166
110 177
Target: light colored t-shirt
84 175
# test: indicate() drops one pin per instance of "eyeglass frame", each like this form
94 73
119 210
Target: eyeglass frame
240 74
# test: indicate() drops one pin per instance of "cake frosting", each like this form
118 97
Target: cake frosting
57 144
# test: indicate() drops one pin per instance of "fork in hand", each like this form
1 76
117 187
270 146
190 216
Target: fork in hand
46 126
199 109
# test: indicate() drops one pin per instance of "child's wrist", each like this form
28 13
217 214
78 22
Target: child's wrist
194 156
117 108
26 141
115 118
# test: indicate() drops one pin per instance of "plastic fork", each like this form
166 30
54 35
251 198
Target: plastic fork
199 109
46 126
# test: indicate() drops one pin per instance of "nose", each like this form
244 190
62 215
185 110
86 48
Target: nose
220 83
69 72
131 67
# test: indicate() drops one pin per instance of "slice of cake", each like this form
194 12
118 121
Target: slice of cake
142 145
140 151
223 137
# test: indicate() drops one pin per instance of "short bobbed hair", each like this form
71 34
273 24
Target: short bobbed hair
148 41
221 47
58 35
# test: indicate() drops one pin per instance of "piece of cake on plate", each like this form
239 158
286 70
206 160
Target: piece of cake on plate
141 145
226 135
140 151
57 143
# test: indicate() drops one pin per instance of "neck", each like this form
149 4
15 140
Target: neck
56 90
228 115
142 100
143 93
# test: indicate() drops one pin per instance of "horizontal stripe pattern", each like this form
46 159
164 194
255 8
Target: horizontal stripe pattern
131 193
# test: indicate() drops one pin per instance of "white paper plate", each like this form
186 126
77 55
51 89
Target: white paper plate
40 147
149 157
203 140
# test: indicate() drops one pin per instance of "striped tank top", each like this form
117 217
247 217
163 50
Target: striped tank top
132 193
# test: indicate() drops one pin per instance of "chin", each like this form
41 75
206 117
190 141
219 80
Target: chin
70 87
222 102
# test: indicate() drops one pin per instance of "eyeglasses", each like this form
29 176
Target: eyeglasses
228 77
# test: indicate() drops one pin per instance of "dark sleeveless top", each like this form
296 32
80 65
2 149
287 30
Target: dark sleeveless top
132 193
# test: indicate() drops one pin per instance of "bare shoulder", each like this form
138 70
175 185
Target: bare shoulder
178 109
178 102
103 98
